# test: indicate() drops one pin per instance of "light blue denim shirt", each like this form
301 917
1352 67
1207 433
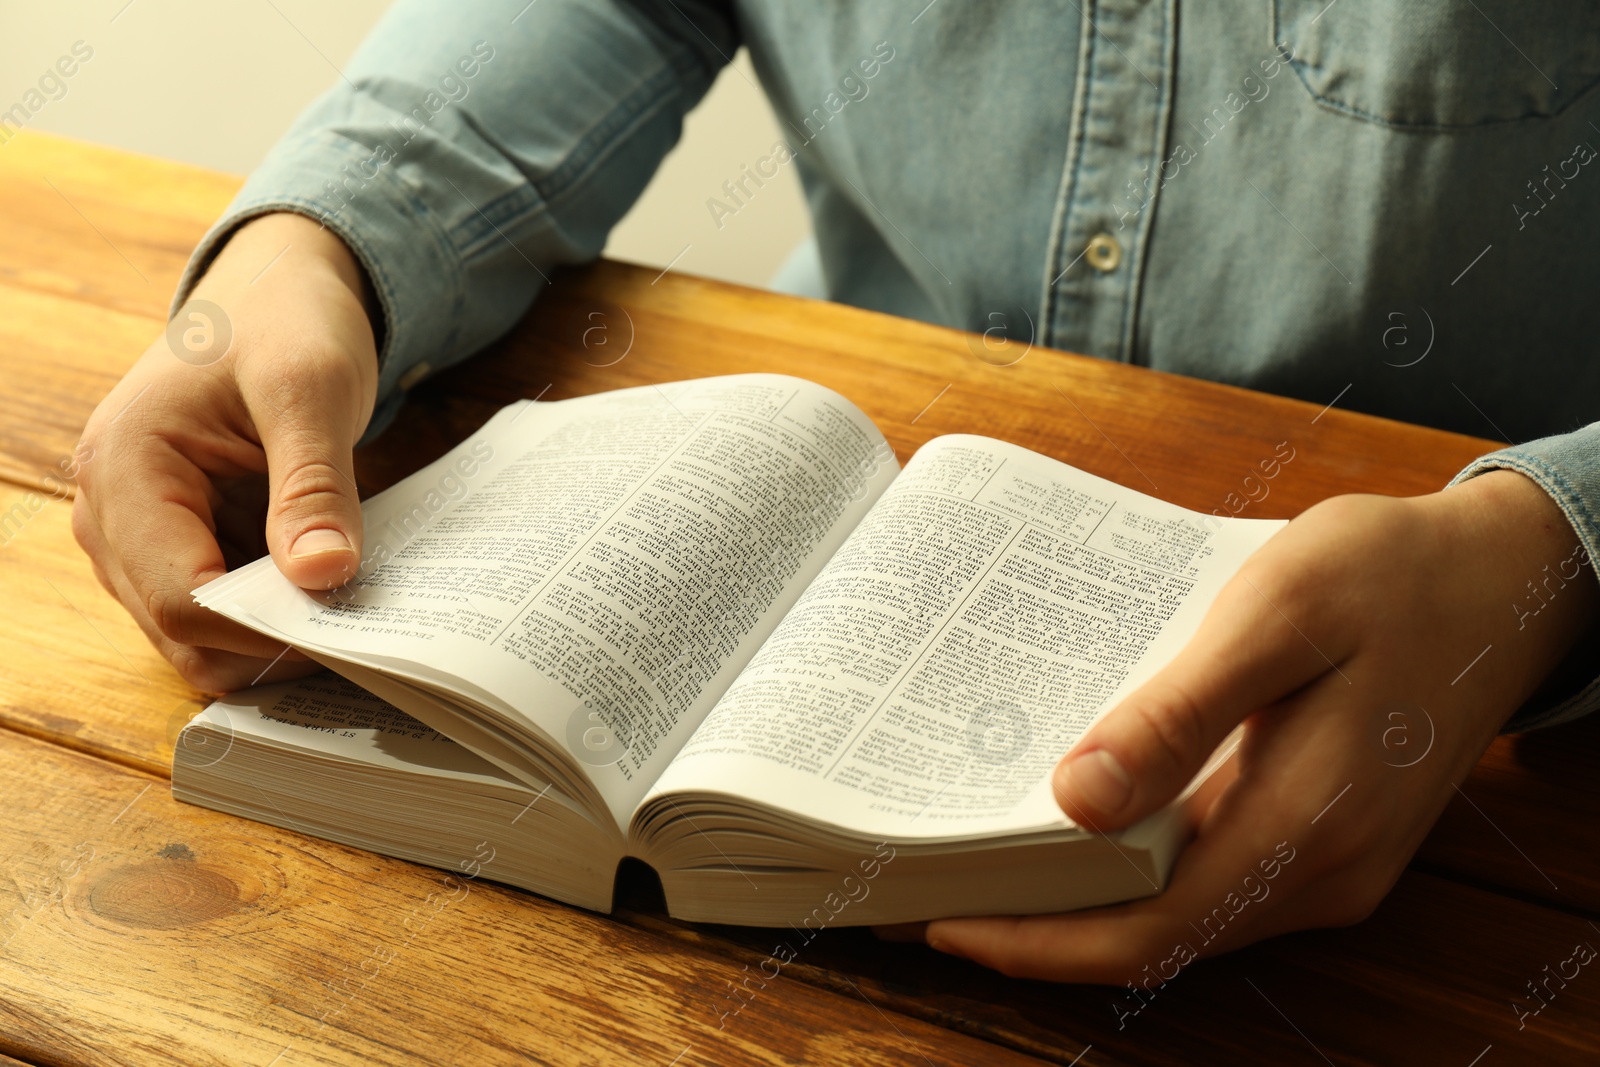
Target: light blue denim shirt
1379 202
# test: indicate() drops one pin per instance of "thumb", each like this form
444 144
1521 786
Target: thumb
1143 752
314 509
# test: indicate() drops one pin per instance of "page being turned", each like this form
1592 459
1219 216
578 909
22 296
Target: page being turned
610 565
988 609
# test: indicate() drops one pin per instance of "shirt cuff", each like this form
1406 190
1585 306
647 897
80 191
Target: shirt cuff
1567 467
416 273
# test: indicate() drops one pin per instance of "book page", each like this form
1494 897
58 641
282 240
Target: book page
324 757
602 566
337 719
988 609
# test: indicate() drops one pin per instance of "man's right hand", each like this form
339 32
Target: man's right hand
232 436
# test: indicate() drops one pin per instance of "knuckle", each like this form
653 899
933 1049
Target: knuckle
1013 961
312 485
300 373
88 446
1174 726
83 528
196 667
168 613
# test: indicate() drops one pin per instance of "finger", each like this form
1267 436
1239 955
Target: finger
255 659
182 623
212 670
1219 899
1246 654
308 426
86 531
1264 862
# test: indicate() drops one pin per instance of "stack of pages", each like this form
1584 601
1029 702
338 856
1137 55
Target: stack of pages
712 625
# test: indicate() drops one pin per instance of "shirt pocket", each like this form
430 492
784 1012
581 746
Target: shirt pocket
1442 64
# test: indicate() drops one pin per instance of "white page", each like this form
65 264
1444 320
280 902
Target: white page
990 607
340 720
620 555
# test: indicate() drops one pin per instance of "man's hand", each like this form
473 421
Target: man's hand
231 436
1373 649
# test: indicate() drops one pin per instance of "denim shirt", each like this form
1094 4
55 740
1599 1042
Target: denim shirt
1383 204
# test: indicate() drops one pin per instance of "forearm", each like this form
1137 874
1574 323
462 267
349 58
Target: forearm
472 147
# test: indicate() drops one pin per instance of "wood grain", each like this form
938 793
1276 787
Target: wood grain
1519 783
1187 441
894 369
96 685
90 254
141 930
146 951
1429 979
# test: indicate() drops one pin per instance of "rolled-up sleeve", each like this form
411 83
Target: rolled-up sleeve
471 146
1567 467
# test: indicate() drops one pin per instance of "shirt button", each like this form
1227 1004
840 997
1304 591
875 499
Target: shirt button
1103 253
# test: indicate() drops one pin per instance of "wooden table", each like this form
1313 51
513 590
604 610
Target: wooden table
140 930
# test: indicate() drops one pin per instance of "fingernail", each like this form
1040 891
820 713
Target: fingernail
1098 779
316 542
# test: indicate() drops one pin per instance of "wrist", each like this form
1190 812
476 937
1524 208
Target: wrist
1517 547
286 240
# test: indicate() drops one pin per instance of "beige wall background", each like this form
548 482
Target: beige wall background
215 83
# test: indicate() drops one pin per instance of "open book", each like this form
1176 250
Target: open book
712 625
